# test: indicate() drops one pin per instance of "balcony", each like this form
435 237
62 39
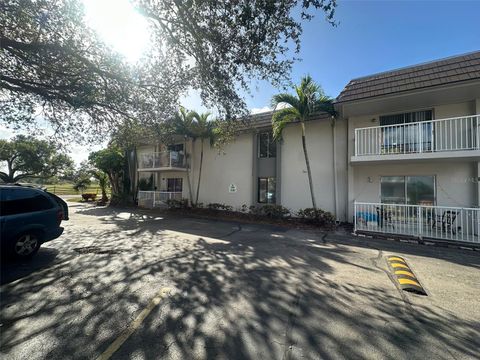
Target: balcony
442 138
445 223
167 160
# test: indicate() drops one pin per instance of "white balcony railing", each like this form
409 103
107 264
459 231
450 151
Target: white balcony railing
454 134
165 159
156 198
419 221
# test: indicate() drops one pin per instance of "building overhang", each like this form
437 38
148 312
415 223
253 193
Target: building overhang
418 99
468 155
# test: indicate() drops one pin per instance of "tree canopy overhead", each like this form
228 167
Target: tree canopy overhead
53 64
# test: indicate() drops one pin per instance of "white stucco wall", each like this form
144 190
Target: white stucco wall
455 184
233 165
295 186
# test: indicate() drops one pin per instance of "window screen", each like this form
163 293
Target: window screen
266 190
405 118
175 147
174 185
413 190
267 147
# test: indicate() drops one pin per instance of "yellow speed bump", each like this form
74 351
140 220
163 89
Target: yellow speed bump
404 275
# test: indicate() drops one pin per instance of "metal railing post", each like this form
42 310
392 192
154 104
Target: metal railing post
355 142
354 216
420 149
420 220
477 121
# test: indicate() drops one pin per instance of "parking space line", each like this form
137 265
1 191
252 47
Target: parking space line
134 325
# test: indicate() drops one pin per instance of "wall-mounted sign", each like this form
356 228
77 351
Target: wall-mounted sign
232 188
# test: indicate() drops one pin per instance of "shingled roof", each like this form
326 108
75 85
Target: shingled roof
441 72
264 120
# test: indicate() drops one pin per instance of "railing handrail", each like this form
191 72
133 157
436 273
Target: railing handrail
164 159
418 122
160 191
412 205
161 152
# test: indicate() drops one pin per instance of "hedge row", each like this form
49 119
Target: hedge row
269 211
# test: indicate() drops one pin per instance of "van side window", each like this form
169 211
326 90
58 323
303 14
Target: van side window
20 201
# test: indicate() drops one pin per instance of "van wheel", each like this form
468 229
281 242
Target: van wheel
26 245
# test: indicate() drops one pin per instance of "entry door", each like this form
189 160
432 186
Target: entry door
174 184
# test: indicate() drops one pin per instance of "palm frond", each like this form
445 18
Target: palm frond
325 104
281 118
285 99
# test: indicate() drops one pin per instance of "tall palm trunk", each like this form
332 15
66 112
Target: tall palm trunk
307 162
199 174
190 195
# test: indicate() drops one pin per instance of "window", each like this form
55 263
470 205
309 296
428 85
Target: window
407 138
414 190
266 190
174 185
21 201
175 147
267 147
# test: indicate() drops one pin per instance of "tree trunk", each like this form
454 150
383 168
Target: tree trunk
307 162
104 195
104 192
188 170
199 174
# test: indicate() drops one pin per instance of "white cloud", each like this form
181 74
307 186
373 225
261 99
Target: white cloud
260 110
268 108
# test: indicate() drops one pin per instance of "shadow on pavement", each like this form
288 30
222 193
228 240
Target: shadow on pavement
11 269
237 296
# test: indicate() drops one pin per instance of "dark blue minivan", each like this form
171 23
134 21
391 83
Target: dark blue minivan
28 217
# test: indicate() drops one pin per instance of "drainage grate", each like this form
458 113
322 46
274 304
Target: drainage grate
405 276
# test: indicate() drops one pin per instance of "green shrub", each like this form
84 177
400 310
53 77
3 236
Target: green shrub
274 211
217 206
316 216
270 211
177 204
255 210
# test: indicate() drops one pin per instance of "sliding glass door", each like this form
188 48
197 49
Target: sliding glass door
407 132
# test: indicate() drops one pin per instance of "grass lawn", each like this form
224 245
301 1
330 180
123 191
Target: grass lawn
67 189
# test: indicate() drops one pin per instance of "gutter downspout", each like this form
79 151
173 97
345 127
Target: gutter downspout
335 185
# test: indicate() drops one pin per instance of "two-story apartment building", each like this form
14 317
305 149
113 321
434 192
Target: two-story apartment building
402 157
414 149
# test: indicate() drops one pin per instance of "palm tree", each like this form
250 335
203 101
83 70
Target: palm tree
203 129
308 100
184 124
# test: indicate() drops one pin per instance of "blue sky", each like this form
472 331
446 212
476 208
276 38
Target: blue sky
376 36
372 36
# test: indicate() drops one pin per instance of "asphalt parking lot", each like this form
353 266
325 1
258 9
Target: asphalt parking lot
126 284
